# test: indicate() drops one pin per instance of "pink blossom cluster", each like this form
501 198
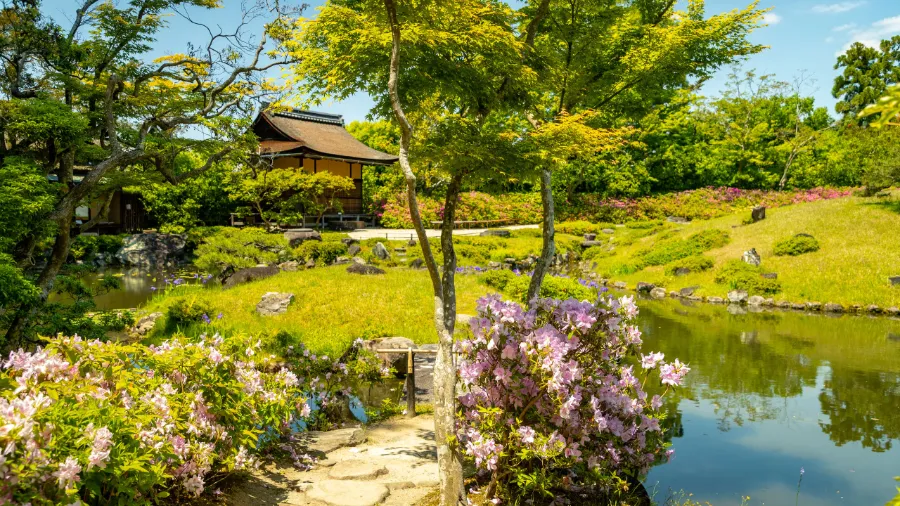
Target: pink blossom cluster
561 387
84 419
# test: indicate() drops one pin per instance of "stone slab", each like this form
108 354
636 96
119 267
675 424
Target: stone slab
342 493
356 470
329 441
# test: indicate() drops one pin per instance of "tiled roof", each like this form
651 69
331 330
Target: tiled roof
314 134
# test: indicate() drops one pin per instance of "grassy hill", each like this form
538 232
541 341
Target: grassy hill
859 249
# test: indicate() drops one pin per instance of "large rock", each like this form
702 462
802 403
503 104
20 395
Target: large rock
872 308
365 270
682 271
715 300
319 443
677 219
145 324
658 293
814 306
645 287
738 296
381 252
250 274
496 233
341 493
770 275
608 231
752 257
353 250
620 285
152 250
290 266
893 311
894 280
831 307
299 236
349 241
274 303
591 244
590 237
756 300
758 213
417 263
688 290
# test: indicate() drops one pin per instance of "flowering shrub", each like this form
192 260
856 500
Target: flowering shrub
525 208
110 423
553 397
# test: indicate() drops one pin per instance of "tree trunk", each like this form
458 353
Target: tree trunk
14 334
449 459
549 248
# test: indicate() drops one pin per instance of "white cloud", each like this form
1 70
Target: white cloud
770 18
838 7
844 28
873 34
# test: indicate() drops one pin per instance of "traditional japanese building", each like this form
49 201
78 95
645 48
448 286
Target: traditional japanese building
317 141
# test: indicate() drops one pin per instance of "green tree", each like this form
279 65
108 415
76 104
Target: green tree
89 95
381 183
866 73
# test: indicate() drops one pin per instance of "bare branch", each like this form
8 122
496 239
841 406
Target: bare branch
79 18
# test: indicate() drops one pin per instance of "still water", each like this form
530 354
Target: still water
771 393
138 285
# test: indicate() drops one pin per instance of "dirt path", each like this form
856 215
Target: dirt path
393 463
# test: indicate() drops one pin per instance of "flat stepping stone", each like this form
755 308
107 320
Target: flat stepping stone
341 493
356 470
329 441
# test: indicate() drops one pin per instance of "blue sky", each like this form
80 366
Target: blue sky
803 35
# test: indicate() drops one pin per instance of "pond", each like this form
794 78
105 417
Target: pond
770 394
138 285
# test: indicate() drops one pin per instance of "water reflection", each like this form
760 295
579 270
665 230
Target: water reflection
138 286
770 393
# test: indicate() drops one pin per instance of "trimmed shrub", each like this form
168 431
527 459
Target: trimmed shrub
696 263
710 239
516 286
322 252
185 312
668 251
797 245
581 227
739 275
644 224
233 249
596 253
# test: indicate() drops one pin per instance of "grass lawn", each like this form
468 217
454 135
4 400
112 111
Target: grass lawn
860 249
331 307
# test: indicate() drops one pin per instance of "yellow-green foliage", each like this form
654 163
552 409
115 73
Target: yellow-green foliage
797 245
666 252
595 252
580 228
233 248
859 250
322 252
696 263
740 275
516 286
331 307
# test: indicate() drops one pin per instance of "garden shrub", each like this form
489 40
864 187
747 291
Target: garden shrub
581 227
709 239
187 311
596 253
230 249
516 286
547 404
321 252
566 243
115 423
696 263
497 279
644 224
625 268
527 232
668 251
739 275
796 245
85 247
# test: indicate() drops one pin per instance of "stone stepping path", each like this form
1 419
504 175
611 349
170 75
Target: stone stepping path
393 464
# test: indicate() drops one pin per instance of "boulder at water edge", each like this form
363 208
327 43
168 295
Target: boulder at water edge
152 250
758 213
738 296
250 274
832 307
658 293
274 303
756 300
645 287
145 324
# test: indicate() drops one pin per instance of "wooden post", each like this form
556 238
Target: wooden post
410 385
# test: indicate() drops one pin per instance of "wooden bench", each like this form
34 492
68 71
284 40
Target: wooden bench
472 223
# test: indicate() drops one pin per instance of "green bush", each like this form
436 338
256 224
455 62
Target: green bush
696 263
596 253
516 286
668 251
568 243
231 249
797 245
580 227
739 275
497 279
527 232
84 247
321 252
186 312
643 224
